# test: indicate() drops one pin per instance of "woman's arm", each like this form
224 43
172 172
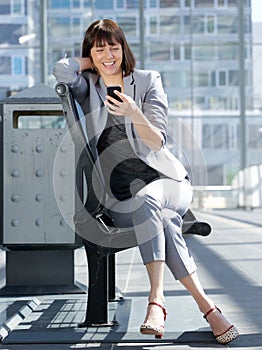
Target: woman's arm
84 63
150 122
147 132
67 71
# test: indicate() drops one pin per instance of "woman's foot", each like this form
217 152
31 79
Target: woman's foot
154 320
222 329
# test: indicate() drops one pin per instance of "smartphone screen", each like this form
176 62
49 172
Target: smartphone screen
110 92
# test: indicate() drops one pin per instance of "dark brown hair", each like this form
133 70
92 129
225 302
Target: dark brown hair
107 31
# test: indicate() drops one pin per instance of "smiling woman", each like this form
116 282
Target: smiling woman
146 186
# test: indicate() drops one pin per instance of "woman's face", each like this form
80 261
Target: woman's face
107 58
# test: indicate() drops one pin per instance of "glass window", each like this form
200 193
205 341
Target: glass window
187 52
152 3
205 53
201 79
60 26
76 3
187 24
204 3
17 7
227 24
177 55
5 65
255 136
221 3
200 102
153 28
87 3
128 24
102 4
10 33
213 78
17 65
228 52
159 51
206 136
188 3
132 4
120 4
220 136
176 79
76 26
233 78
5 7
170 25
210 23
222 78
198 24
135 47
54 4
169 3
232 3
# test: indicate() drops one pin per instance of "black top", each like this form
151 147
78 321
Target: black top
125 174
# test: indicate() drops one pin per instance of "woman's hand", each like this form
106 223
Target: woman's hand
149 134
126 107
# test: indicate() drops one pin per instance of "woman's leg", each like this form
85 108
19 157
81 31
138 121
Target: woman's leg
217 321
155 315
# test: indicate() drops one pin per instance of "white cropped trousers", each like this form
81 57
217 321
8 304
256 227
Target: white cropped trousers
155 213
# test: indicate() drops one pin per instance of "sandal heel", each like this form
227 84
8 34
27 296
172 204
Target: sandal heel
229 335
151 329
158 336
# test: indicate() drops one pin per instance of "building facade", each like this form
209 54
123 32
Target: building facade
194 44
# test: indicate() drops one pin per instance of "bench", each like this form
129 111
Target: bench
100 238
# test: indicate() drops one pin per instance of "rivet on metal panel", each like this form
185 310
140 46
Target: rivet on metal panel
63 198
63 149
62 222
39 197
39 148
14 222
14 148
39 173
63 173
15 173
15 198
39 222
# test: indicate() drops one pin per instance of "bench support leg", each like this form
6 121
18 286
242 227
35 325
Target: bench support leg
97 298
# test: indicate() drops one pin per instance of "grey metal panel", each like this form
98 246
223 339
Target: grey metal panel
31 213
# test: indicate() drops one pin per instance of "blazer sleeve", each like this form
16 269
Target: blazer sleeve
155 105
66 70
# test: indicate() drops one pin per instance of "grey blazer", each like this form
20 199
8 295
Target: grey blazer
145 87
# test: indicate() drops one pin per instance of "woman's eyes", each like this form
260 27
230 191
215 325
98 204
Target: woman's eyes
112 48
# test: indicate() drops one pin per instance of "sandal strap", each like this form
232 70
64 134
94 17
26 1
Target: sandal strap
162 307
211 310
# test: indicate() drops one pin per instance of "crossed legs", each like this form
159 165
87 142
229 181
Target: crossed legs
155 270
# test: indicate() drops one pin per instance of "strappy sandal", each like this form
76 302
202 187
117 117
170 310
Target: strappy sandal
149 328
226 337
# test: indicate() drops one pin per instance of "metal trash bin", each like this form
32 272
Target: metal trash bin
38 242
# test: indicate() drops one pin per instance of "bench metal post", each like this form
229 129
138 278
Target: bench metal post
97 298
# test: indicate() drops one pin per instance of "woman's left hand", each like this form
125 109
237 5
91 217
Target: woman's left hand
149 134
127 107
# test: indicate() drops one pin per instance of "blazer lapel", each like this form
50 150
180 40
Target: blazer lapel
130 86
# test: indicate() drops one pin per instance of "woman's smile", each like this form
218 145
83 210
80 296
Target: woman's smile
107 58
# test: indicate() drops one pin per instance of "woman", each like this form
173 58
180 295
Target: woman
147 187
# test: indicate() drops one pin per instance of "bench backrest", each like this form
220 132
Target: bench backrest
90 221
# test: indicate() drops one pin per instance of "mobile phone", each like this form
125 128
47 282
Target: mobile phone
110 92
